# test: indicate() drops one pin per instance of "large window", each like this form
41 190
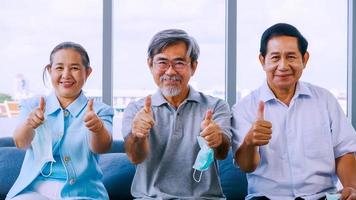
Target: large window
323 23
136 21
29 32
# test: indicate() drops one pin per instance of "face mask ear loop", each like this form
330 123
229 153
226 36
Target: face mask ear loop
50 171
199 176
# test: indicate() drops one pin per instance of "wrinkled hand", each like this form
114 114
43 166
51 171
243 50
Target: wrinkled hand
211 131
143 121
36 117
261 130
91 120
348 193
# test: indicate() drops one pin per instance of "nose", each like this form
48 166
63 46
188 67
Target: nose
170 69
283 64
66 72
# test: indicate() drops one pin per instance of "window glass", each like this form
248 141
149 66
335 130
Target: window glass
29 32
135 23
322 22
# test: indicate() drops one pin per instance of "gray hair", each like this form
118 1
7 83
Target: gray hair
71 45
170 37
67 45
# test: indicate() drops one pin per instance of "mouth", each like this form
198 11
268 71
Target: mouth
170 80
66 84
283 75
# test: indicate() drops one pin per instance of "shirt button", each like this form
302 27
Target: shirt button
66 113
71 181
66 158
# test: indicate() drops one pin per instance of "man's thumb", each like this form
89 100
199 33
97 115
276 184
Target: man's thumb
147 106
209 115
261 110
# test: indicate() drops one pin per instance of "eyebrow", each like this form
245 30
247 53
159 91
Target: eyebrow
274 53
60 64
294 53
174 59
288 53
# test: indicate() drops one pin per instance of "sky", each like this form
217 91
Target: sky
30 30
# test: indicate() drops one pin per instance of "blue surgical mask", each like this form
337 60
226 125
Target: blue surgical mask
333 196
204 158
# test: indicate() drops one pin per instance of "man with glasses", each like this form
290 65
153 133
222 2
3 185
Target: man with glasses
176 135
291 136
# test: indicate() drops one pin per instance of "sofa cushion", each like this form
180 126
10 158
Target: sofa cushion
10 164
233 180
7 142
118 173
117 146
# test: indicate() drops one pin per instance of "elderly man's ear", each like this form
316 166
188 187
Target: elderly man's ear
305 58
150 64
194 67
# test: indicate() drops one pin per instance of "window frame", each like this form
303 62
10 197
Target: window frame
230 58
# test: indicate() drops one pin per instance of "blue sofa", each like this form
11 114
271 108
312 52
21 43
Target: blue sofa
117 170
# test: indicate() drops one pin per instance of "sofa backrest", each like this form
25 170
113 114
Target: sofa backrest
233 180
10 164
118 171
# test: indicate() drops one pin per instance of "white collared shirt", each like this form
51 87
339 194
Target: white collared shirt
307 136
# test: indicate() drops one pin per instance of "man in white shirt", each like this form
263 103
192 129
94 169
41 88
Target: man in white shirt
292 137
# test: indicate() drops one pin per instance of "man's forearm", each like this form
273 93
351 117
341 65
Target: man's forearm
247 157
136 148
346 170
222 150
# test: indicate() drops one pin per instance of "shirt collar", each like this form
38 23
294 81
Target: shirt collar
158 99
52 104
302 89
78 104
267 94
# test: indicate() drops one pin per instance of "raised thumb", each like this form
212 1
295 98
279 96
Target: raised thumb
209 115
148 102
42 104
261 110
90 105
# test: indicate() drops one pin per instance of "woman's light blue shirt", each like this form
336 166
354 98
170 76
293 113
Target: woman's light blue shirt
81 164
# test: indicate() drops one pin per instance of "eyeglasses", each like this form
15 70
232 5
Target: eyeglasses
176 64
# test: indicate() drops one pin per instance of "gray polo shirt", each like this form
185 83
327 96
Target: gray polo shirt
167 171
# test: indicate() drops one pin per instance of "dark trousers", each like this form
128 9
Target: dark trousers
265 198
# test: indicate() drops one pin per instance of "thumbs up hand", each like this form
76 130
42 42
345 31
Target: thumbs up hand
261 130
211 131
143 121
207 120
91 119
36 117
